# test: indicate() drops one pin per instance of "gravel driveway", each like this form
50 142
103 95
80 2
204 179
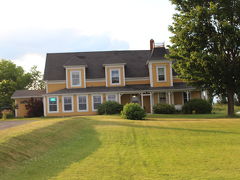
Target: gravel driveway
9 124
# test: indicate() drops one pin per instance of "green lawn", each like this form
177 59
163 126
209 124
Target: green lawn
108 147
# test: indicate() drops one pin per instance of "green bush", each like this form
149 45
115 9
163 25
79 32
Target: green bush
110 107
163 109
133 111
197 106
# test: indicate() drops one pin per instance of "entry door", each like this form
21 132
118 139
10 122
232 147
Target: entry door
146 104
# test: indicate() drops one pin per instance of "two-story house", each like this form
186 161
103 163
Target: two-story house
76 83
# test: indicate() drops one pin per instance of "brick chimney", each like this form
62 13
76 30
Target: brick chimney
151 44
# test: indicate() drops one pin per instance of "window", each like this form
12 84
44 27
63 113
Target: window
52 104
112 97
162 98
67 104
75 78
97 100
82 103
115 76
186 97
135 99
161 73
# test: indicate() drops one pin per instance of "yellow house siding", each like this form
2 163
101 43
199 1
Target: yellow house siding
82 74
138 82
55 87
108 76
95 84
155 98
168 81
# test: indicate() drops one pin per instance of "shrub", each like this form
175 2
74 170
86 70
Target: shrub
34 107
133 111
110 107
198 106
163 109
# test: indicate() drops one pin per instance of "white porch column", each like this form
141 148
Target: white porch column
44 106
172 95
187 95
151 102
141 99
119 98
169 98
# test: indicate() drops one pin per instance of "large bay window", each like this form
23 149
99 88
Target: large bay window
161 73
97 100
115 76
67 104
82 103
52 104
75 78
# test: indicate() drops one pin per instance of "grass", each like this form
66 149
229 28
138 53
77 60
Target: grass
108 147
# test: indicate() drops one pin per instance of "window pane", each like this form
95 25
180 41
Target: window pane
67 103
162 98
82 100
52 107
112 97
161 74
75 78
115 76
96 101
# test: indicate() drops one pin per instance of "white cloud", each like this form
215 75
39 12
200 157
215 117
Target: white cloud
132 21
29 60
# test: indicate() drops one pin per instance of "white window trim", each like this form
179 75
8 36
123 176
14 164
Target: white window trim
86 103
63 103
49 104
165 73
93 101
116 99
115 69
80 79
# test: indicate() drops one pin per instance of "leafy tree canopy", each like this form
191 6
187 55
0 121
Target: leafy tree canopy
206 45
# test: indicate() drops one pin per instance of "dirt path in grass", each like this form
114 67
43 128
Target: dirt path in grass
9 124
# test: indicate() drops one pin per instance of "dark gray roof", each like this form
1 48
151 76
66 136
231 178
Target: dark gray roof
135 62
127 88
28 93
159 53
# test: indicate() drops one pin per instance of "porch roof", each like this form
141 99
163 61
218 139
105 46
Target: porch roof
28 93
125 89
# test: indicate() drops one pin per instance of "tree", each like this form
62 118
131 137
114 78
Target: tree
37 80
206 45
34 107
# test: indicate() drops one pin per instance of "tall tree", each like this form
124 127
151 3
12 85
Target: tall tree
37 80
12 77
206 45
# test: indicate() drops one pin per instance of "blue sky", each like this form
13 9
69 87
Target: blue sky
30 29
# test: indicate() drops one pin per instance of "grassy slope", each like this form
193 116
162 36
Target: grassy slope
108 147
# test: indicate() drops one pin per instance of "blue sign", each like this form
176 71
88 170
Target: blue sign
53 99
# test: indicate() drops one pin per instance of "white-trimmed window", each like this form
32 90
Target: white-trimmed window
75 78
162 98
115 76
161 73
67 103
97 100
112 97
52 104
83 103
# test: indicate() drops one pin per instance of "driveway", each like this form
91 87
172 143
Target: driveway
9 124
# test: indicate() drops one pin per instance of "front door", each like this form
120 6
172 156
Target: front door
147 104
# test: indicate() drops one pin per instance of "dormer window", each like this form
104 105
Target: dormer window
115 76
75 78
161 73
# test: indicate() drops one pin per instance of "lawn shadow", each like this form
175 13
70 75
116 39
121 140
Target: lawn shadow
45 152
130 123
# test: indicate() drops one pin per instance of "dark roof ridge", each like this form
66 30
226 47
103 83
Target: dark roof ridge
131 50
